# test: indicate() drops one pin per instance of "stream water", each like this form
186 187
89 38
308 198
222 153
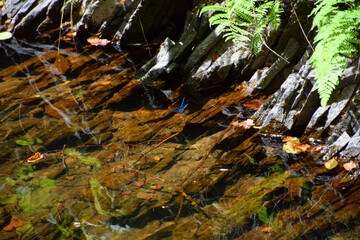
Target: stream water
89 152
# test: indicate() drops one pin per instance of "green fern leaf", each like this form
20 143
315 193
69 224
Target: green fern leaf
245 21
335 37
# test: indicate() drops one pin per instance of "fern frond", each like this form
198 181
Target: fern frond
245 21
335 38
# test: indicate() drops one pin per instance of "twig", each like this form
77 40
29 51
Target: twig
302 30
177 188
208 153
63 158
274 51
157 145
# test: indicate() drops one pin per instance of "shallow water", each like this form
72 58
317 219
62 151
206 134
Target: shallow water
116 162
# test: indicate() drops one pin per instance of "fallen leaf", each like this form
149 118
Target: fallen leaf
317 148
126 193
157 158
292 145
139 183
156 187
288 139
254 104
267 230
36 157
95 41
301 147
349 166
14 223
143 195
246 124
331 164
215 56
100 83
69 177
69 34
289 146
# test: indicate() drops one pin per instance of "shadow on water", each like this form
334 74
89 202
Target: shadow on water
89 152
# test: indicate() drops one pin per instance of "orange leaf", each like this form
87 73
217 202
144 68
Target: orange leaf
36 157
254 104
215 56
288 139
100 83
14 223
93 40
301 147
69 34
349 166
267 230
126 193
122 2
246 124
317 148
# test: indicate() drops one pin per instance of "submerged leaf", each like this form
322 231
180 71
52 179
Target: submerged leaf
22 142
349 166
292 145
14 223
93 40
246 124
331 164
5 35
289 146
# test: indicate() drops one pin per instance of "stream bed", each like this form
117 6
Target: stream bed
89 152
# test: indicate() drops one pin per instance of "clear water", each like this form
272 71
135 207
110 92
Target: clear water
116 162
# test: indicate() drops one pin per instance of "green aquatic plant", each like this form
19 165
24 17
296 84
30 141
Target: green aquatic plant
337 23
245 21
28 142
263 215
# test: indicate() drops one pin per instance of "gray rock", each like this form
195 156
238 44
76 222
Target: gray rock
28 25
279 65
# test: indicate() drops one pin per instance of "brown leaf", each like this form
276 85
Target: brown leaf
156 187
349 166
14 223
215 56
139 183
143 195
100 83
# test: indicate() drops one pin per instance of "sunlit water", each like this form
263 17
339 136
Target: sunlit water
89 152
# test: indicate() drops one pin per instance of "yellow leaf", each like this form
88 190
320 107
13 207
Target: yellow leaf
289 146
332 163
